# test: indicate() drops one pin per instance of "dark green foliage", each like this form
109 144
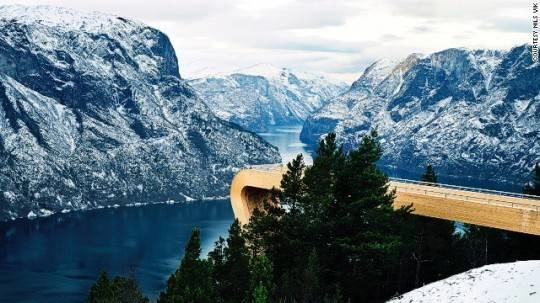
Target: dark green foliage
119 290
261 284
101 290
330 234
231 265
434 245
293 188
340 230
260 294
429 175
192 282
125 290
485 245
311 291
533 188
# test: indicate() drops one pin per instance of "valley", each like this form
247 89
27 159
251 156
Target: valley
115 158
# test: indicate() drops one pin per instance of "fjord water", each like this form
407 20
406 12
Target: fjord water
57 258
287 140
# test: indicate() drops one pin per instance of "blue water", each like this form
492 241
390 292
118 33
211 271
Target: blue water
57 258
287 140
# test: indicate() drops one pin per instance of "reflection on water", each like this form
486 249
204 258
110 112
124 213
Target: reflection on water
287 139
56 259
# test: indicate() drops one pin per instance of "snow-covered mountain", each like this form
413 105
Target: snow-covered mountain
509 282
263 95
93 112
472 113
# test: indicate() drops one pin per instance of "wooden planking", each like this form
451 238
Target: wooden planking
251 186
246 189
502 217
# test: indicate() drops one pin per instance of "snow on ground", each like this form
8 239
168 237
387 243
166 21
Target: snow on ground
509 282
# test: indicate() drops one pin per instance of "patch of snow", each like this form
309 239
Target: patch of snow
510 282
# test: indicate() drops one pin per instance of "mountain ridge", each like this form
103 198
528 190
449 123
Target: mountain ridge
263 95
94 112
471 113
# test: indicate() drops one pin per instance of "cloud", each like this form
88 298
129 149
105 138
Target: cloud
421 29
329 36
508 24
144 10
308 14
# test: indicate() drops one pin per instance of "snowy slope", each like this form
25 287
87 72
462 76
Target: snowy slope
93 112
471 113
263 95
517 282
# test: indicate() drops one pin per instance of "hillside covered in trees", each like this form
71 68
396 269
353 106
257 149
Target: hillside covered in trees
334 238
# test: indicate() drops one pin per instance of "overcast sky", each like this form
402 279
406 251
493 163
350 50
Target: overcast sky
328 36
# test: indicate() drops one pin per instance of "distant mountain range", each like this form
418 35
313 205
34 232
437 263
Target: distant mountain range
473 114
264 95
93 112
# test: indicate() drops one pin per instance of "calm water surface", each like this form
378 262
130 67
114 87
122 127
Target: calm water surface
57 258
286 138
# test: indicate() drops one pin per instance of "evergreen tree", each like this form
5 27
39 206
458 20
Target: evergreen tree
192 282
101 290
429 175
236 266
533 188
119 290
292 184
280 231
217 258
125 290
260 294
261 282
435 241
485 245
488 245
367 231
311 284
524 246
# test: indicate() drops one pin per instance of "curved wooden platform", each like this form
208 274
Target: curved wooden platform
514 212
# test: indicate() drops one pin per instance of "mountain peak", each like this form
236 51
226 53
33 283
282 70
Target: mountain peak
67 18
85 95
262 69
66 35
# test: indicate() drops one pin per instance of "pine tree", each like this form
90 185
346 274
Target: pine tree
340 208
312 276
533 188
192 282
260 294
320 179
125 290
485 245
292 185
261 282
236 266
367 230
434 240
280 232
217 258
119 290
429 175
524 246
101 290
